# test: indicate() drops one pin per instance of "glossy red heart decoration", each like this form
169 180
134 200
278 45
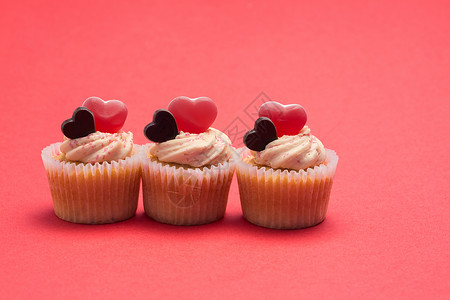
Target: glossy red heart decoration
193 115
109 115
288 119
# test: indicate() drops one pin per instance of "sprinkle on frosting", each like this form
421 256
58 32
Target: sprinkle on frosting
196 150
294 152
98 147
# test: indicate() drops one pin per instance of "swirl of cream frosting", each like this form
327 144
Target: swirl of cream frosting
98 147
293 152
196 150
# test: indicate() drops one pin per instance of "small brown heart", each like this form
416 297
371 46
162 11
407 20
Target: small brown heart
81 124
162 128
263 133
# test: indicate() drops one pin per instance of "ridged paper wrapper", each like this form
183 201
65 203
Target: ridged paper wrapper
180 195
97 193
284 199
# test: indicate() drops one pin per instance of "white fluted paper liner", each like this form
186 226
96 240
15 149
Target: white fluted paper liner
284 199
93 193
184 196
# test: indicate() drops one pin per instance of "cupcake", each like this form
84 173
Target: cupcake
284 173
94 173
187 170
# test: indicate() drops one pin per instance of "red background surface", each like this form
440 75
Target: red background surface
374 79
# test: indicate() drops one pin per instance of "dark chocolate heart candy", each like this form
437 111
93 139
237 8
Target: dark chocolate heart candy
162 128
81 124
263 133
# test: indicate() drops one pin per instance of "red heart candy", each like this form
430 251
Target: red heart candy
109 115
193 115
288 119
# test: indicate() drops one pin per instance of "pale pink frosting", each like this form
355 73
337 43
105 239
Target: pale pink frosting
98 147
196 150
294 152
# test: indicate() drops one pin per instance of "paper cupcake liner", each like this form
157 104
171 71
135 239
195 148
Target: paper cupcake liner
93 193
184 196
285 199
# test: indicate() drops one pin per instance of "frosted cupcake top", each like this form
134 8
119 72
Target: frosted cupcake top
93 134
196 144
98 147
295 152
280 138
196 150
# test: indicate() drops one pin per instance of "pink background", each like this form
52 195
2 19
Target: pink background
374 79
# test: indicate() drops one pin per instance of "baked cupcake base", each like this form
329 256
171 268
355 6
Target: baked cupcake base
285 199
92 194
180 195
